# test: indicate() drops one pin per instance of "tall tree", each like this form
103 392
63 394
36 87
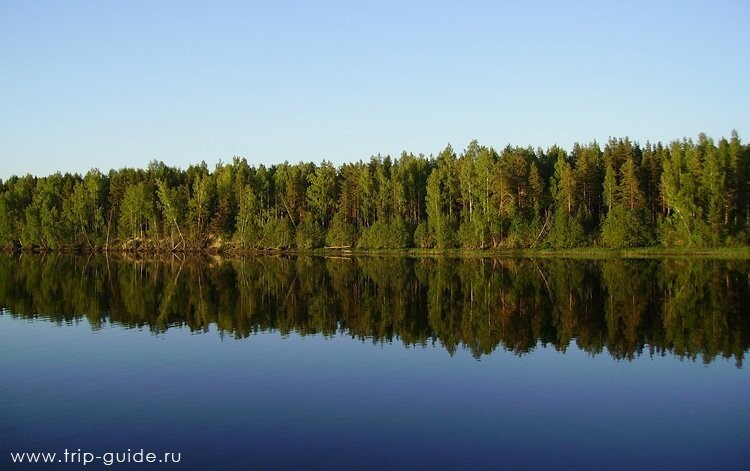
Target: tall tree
173 205
566 230
87 205
138 212
626 224
202 205
683 225
322 194
713 183
589 172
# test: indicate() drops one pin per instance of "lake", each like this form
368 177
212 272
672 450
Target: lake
375 362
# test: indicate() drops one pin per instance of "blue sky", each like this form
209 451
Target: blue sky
114 84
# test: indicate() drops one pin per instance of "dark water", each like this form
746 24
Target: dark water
377 362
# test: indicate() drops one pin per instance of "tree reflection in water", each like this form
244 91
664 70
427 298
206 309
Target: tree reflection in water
691 308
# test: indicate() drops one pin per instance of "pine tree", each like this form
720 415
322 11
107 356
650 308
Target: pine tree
322 194
566 230
626 223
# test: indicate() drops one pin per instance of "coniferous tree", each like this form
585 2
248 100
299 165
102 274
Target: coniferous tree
684 223
626 223
566 230
322 194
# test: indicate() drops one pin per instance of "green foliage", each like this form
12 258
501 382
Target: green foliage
249 219
309 235
86 208
475 232
567 227
536 187
138 212
675 231
7 231
564 188
566 231
202 205
322 193
684 224
588 171
685 194
342 233
610 187
626 228
422 237
278 234
224 216
523 230
444 235
44 225
384 235
16 197
443 200
626 224
173 204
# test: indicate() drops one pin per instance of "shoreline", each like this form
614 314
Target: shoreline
742 253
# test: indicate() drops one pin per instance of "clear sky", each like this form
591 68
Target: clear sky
111 84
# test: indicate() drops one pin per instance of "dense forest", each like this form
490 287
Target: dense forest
691 308
684 194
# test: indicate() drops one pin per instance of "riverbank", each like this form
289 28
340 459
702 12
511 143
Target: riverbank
587 253
580 252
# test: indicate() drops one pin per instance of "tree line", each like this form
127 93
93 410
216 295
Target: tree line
689 193
690 308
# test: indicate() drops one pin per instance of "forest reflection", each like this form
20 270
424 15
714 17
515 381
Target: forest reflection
690 308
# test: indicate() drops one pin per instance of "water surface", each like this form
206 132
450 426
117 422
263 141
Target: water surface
373 362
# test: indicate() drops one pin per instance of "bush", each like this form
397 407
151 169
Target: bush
422 237
445 236
565 231
676 232
625 228
309 235
342 233
476 233
383 235
278 234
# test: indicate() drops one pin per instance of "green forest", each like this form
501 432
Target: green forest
689 193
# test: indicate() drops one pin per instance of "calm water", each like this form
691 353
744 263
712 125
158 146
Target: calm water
378 362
